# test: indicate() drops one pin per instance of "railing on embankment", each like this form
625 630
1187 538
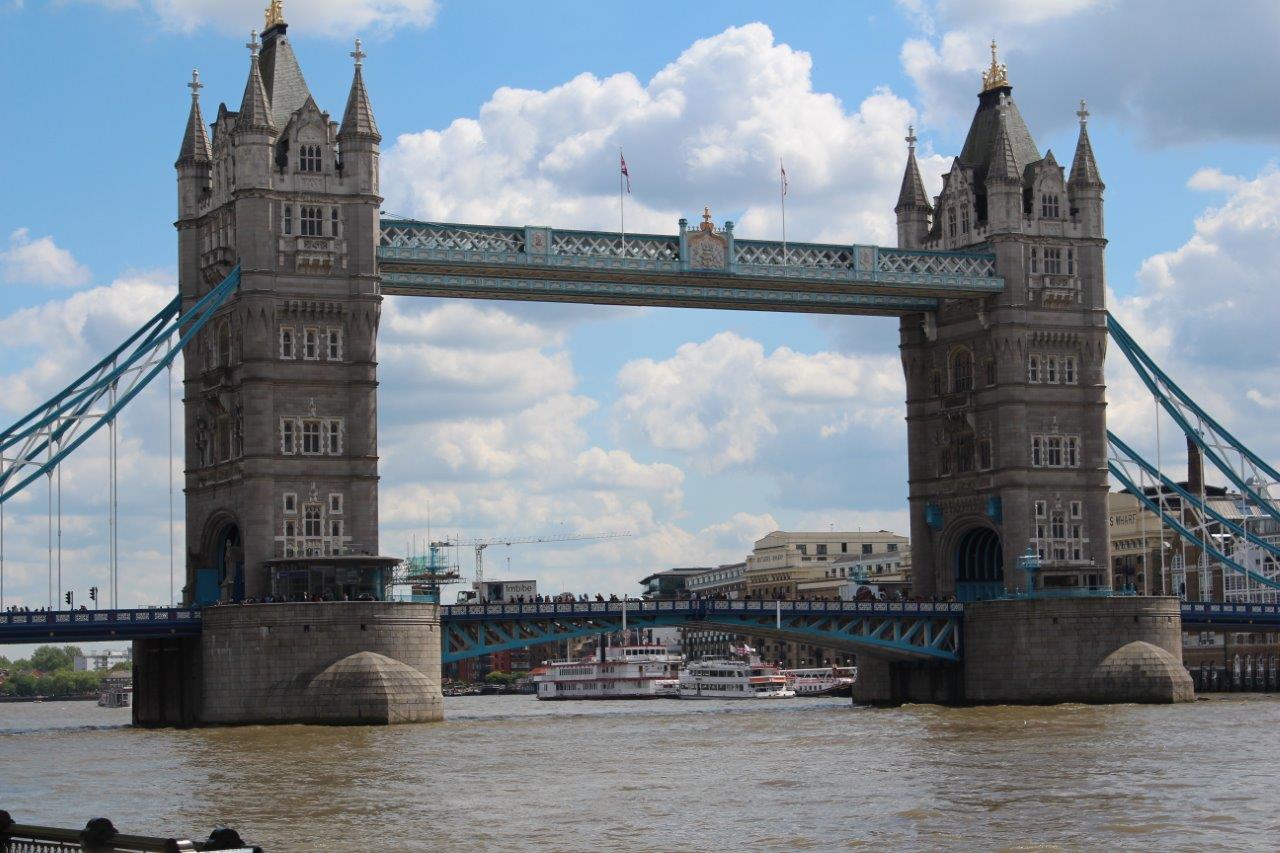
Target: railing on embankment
138 624
100 835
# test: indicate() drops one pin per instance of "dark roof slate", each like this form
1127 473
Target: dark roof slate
358 118
979 145
282 76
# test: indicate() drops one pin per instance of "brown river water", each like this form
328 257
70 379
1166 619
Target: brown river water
512 773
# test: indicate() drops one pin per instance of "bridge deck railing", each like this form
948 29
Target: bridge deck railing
90 618
580 609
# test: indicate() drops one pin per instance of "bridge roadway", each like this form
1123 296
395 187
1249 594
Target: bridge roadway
906 631
700 267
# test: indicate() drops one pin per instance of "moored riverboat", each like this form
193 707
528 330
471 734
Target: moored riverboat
730 678
624 672
821 681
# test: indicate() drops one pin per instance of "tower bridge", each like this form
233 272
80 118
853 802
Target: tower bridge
998 286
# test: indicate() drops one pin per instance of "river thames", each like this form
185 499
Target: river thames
511 773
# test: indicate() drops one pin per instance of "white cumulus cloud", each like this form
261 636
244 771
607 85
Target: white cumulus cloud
324 17
708 129
39 261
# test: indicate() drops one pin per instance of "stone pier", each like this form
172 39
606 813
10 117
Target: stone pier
1047 651
356 663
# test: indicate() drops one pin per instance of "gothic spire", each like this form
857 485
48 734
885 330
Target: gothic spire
912 194
358 119
195 142
1004 162
1084 168
255 108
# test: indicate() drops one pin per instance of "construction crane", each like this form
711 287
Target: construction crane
481 544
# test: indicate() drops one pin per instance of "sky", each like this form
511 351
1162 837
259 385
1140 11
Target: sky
695 431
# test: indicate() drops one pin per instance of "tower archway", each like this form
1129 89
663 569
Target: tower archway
979 565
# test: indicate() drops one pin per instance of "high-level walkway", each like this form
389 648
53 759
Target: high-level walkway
702 267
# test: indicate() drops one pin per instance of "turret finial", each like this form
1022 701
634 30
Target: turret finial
997 76
1083 113
358 55
274 14
253 44
707 225
195 85
911 137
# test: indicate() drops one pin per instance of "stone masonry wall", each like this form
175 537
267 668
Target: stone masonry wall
1075 650
330 662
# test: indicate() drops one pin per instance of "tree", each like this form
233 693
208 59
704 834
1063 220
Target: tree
498 677
52 659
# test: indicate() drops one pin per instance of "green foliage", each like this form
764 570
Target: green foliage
64 682
51 659
497 677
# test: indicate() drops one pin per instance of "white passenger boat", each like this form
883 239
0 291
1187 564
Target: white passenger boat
625 672
728 678
821 681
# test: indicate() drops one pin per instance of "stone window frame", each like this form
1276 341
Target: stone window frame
311 343
335 503
334 430
951 222
1053 262
935 383
289 503
311 428
1050 206
310 159
308 519
984 455
944 460
966 453
335 222
960 362
1051 370
311 220
287 220
288 343
333 343
1033 368
1033 261
990 368
288 436
1070 373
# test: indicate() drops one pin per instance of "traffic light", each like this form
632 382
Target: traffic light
68 596
93 593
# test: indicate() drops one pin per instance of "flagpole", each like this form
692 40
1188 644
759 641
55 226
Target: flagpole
782 194
622 206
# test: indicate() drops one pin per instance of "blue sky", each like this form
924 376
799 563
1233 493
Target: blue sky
697 431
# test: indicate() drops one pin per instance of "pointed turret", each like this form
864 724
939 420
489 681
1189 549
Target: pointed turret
913 207
195 158
1085 185
1004 175
979 145
255 108
195 141
1084 168
357 120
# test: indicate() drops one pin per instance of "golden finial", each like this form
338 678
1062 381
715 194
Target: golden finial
275 13
997 75
707 224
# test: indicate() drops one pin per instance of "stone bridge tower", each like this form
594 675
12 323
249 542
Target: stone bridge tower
280 387
1005 397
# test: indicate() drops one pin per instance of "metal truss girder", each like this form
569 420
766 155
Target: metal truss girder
1178 527
37 443
1178 404
692 295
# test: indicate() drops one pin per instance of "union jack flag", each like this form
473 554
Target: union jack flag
625 173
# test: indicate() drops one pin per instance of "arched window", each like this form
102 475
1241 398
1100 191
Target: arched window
224 344
951 222
309 159
961 371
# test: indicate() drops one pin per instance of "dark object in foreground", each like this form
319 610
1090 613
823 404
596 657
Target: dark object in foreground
99 836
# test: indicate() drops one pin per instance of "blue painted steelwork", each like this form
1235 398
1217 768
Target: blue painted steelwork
35 445
1231 616
98 625
906 631
1178 527
1193 500
425 258
1180 406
